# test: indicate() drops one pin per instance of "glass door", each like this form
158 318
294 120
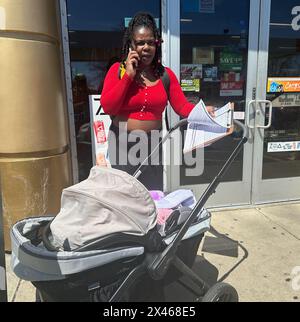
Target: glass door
275 114
218 46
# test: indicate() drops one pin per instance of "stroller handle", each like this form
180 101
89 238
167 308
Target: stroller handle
179 124
161 261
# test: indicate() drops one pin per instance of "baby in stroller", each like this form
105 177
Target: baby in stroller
113 255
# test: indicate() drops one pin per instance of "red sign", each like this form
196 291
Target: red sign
231 85
100 132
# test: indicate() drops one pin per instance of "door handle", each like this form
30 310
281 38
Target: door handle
270 114
248 113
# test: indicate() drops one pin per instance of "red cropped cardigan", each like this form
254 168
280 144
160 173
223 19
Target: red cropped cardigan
126 97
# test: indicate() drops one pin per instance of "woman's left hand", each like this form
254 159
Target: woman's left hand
211 110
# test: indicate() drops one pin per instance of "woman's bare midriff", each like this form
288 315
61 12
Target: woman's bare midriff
133 124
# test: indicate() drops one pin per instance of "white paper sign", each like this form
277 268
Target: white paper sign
284 146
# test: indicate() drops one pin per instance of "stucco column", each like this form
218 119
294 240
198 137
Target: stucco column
34 145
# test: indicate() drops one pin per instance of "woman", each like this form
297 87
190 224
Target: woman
134 95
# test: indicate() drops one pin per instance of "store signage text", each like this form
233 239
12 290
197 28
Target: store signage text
288 99
296 20
283 146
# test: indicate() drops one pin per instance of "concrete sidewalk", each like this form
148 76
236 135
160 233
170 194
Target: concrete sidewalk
255 250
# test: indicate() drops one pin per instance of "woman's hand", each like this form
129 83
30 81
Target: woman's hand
211 110
132 63
100 160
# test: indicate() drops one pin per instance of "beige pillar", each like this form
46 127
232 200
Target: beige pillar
34 147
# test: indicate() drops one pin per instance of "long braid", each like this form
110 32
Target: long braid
143 19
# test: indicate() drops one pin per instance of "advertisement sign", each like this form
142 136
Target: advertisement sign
228 88
283 85
99 123
191 71
286 100
231 61
203 55
210 73
284 146
190 85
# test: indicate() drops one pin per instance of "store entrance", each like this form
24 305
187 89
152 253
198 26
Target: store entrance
246 52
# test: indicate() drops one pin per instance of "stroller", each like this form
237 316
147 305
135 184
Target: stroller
119 266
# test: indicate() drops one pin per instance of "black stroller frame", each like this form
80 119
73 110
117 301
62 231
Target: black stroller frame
154 264
158 264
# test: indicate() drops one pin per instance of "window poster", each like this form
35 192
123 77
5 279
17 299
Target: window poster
203 55
286 100
284 85
191 70
190 85
231 84
190 75
230 61
284 146
210 73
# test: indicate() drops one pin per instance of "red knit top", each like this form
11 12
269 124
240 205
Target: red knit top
126 97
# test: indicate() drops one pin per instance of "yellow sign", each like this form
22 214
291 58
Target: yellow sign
283 85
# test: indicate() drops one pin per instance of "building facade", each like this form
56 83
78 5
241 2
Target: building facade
54 57
247 52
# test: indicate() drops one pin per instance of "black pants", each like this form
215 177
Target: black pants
121 153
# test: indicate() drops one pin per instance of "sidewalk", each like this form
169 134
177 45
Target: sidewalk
255 250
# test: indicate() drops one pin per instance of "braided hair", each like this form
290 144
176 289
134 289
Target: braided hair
143 19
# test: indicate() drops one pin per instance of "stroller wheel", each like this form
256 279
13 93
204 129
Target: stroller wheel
221 292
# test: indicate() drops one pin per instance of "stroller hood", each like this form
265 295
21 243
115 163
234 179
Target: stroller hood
108 201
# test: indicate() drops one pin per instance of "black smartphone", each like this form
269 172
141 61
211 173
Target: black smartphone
135 64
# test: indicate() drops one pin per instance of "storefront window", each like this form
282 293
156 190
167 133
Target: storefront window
96 29
213 58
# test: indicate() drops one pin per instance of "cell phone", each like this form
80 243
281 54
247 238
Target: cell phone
135 65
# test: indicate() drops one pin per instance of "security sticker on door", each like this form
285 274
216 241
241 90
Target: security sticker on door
284 146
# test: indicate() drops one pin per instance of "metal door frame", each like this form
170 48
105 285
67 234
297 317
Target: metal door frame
171 58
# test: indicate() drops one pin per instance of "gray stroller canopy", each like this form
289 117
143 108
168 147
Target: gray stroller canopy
108 201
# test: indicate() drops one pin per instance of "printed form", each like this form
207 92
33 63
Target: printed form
204 129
